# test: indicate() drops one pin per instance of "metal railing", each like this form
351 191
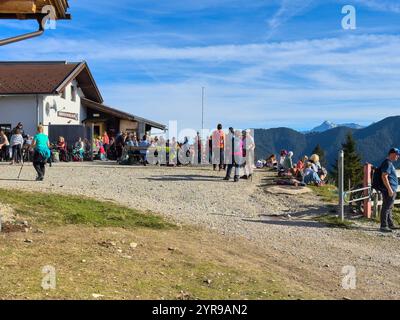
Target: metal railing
367 194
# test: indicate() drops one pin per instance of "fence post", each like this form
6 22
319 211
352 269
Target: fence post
367 184
376 206
341 183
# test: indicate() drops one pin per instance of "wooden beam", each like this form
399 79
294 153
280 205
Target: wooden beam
18 6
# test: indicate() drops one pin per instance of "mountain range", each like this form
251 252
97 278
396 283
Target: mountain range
327 125
373 142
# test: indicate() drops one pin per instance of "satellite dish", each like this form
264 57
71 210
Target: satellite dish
54 107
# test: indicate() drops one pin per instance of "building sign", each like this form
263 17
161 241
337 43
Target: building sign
68 115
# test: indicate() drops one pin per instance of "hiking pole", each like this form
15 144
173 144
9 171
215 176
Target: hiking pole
20 171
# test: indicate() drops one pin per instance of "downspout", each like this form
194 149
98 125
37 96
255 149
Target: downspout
37 110
41 22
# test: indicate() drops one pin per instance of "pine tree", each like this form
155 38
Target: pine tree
321 153
353 167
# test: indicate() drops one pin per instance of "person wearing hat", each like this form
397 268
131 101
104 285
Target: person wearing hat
389 192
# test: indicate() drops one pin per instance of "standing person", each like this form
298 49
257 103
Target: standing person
41 147
19 127
120 144
198 148
16 143
106 142
249 147
4 146
144 145
389 191
218 141
236 152
210 151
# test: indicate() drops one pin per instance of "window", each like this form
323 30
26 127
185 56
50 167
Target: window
63 94
6 128
73 93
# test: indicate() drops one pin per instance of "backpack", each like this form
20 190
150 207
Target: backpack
377 182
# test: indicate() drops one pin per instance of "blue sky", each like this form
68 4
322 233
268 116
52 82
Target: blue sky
264 63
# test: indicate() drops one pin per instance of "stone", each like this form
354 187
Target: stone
133 245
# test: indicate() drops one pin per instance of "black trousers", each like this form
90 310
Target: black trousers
4 153
39 164
387 210
17 153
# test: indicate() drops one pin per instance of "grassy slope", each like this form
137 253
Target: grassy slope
169 262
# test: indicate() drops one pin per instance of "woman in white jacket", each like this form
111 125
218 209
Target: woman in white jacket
16 143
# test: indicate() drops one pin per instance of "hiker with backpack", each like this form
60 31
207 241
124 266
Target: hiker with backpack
385 180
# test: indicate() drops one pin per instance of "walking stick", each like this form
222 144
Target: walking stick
20 171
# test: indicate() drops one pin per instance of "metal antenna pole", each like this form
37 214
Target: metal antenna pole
202 109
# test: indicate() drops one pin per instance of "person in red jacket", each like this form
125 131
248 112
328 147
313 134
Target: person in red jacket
106 142
218 148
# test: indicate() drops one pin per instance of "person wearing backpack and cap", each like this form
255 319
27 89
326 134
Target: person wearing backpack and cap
389 190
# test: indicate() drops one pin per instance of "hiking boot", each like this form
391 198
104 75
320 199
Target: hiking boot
394 228
385 230
244 177
236 179
226 179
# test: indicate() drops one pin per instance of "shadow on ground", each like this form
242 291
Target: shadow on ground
194 178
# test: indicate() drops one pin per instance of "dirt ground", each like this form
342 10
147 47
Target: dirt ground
279 226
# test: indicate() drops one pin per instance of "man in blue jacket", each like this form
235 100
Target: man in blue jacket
391 184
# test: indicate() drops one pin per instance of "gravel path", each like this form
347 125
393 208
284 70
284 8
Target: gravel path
304 250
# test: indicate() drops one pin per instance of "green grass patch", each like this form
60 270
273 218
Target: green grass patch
62 209
328 193
335 222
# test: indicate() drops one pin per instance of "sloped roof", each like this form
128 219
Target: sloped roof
23 78
120 114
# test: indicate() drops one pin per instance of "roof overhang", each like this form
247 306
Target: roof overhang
120 114
86 82
33 9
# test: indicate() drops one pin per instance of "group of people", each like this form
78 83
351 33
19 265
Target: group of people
307 171
15 145
38 146
232 152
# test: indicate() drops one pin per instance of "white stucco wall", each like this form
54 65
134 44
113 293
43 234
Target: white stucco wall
14 109
64 105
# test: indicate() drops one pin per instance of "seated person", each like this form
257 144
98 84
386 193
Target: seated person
288 162
271 161
311 177
4 146
79 147
62 149
314 160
